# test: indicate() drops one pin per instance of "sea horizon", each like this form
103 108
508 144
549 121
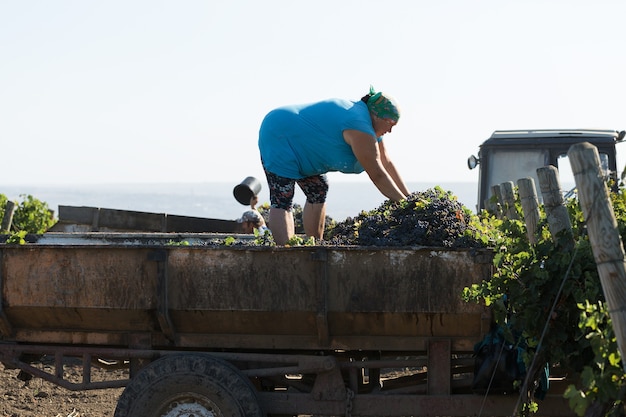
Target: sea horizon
214 199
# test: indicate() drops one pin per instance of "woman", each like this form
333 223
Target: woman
301 143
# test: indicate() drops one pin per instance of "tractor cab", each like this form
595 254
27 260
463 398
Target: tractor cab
509 155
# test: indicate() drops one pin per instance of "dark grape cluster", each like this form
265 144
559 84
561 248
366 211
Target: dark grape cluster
430 218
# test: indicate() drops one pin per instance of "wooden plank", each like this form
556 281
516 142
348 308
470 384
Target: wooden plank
74 214
439 367
186 224
409 405
74 218
131 220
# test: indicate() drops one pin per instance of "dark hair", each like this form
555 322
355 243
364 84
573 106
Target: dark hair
365 98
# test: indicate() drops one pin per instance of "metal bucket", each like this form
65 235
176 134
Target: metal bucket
248 188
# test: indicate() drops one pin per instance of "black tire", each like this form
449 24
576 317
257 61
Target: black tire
189 384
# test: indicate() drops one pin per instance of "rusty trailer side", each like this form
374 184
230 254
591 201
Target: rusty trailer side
311 298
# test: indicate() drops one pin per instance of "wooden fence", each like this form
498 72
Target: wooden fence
594 199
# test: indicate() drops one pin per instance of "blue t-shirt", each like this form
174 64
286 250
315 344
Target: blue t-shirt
303 140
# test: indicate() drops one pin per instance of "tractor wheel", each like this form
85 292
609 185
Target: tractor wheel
184 385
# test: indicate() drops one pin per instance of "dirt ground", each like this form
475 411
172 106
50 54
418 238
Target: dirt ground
38 398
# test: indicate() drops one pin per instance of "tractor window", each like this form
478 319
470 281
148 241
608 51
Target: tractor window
566 176
507 165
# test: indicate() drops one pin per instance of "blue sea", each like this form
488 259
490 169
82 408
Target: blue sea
214 199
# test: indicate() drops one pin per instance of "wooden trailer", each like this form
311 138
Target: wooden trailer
244 330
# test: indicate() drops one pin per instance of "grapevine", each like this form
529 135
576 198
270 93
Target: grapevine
543 286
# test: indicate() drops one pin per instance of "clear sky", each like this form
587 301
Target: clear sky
140 91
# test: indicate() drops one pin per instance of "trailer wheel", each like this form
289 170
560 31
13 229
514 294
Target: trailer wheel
184 385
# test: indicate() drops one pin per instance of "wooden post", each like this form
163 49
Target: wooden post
556 212
607 246
439 367
9 209
497 207
530 206
508 196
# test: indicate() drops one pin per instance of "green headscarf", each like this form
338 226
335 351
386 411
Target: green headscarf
382 106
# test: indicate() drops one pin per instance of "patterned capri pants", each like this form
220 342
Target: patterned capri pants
282 189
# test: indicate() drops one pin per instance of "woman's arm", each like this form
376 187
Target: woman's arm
391 168
368 154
